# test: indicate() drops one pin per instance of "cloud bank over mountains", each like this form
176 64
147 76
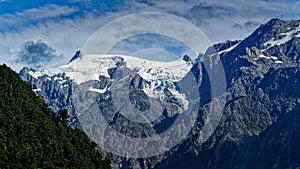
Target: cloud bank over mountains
66 25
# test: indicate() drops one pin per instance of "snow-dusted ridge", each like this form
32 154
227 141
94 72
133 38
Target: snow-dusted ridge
36 74
89 67
229 49
286 37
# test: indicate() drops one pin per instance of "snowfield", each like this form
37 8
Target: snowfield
89 67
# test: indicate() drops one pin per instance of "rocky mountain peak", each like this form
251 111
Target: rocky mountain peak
274 33
77 55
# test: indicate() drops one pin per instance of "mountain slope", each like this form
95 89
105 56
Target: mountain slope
33 137
260 130
260 123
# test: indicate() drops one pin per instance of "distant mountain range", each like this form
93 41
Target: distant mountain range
259 126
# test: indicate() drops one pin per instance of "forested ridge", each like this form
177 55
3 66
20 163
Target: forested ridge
32 136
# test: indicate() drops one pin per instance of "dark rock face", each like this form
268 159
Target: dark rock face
103 82
139 99
282 82
77 55
138 82
259 127
187 58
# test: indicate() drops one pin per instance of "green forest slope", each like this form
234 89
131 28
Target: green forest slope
31 136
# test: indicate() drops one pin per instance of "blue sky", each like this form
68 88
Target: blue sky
65 25
13 6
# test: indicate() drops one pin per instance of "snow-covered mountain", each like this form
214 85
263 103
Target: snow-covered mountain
89 67
260 117
103 73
